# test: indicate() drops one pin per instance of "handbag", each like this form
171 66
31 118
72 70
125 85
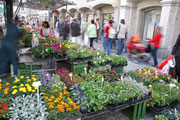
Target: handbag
149 48
112 33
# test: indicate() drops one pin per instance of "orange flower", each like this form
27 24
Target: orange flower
152 96
66 105
60 106
45 97
52 97
168 78
51 103
77 107
74 104
52 111
69 99
51 107
162 98
56 90
49 99
70 109
147 105
44 93
62 110
51 91
74 107
7 84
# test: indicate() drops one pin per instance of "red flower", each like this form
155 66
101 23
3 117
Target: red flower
0 110
62 47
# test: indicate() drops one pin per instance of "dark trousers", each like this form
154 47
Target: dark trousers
154 55
177 58
91 41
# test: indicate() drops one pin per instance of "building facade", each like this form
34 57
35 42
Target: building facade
141 16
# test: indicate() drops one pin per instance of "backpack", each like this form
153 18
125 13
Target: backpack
112 33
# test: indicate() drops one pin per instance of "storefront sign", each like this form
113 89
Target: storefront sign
89 0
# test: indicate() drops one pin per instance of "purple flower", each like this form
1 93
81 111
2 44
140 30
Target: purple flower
49 84
42 52
166 95
80 90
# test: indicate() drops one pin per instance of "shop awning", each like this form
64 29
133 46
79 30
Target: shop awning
44 4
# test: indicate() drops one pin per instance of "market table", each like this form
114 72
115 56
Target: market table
26 58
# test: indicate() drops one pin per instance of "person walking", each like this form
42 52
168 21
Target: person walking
122 30
8 51
91 32
115 27
84 27
97 28
109 35
75 31
156 41
45 30
64 29
103 34
176 54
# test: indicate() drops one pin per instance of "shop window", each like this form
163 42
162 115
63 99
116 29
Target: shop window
152 20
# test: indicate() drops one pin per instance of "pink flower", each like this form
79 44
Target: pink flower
144 92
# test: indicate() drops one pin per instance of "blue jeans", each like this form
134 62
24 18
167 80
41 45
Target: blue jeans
120 46
104 41
125 47
109 45
154 55
5 68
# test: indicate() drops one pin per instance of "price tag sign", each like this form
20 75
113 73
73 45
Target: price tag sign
37 84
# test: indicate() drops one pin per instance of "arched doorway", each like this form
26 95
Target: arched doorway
152 20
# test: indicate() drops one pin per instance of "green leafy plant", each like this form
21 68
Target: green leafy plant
171 114
28 41
118 60
101 60
161 117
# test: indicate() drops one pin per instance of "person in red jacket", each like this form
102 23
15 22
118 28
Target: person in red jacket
108 40
156 40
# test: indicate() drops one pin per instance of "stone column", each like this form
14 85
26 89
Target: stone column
170 23
132 19
116 14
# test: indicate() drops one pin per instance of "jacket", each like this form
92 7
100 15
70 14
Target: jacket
176 48
122 29
107 30
42 35
75 29
156 40
63 29
84 26
91 32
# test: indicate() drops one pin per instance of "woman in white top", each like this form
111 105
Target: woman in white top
45 30
122 30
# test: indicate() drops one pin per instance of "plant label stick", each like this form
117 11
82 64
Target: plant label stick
102 81
37 84
85 71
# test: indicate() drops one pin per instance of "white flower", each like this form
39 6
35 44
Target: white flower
172 85
0 80
46 50
102 60
150 86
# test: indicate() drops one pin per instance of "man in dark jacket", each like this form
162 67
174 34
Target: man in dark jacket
176 53
63 29
75 31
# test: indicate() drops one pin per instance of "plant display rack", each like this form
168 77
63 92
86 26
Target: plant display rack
78 67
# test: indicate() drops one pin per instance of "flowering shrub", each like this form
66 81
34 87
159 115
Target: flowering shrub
45 78
60 104
118 60
101 60
4 113
65 77
149 76
164 94
58 71
110 76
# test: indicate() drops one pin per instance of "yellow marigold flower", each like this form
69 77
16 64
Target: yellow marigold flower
5 92
22 77
7 84
29 88
60 94
22 85
66 105
34 79
162 98
6 89
44 93
51 91
49 99
0 87
27 77
0 84
56 101
52 97
14 91
33 76
14 87
24 89
27 85
77 107
29 80
33 90
62 102
56 90
45 97
50 103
